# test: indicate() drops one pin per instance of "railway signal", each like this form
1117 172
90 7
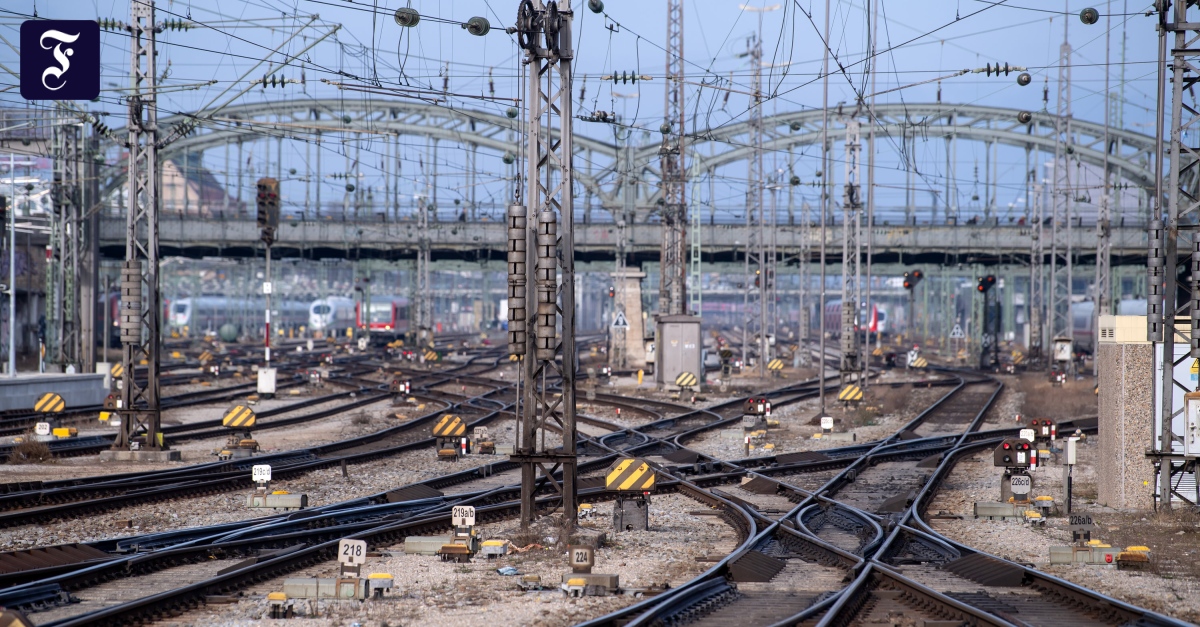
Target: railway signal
989 346
1016 457
912 279
268 208
268 221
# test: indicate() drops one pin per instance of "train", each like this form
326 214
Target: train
877 319
388 317
1083 321
207 314
335 314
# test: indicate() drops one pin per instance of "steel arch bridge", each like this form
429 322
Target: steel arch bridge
599 163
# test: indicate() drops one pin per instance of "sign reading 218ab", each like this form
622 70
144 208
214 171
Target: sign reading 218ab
60 59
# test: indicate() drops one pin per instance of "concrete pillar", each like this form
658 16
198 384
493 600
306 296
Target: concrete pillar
1124 363
631 299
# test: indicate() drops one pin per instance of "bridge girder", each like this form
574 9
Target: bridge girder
1131 158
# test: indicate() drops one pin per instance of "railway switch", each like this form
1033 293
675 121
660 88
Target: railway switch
482 441
265 498
378 583
585 511
463 541
279 605
581 581
493 548
633 481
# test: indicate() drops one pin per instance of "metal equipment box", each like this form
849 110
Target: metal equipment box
678 349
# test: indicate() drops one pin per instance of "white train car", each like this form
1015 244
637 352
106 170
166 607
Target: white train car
1083 331
334 314
192 317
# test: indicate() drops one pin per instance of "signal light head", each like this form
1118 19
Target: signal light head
1007 446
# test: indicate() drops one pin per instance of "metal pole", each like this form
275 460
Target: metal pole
824 204
269 291
551 219
12 269
139 275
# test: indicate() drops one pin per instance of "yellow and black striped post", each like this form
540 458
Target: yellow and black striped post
629 475
686 380
775 366
117 371
850 394
920 362
239 417
49 403
449 426
205 357
431 355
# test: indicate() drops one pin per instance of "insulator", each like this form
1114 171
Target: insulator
1089 16
1025 117
407 17
1194 301
350 187
1156 260
478 26
596 6
795 180
546 341
511 112
131 303
517 313
795 126
1024 79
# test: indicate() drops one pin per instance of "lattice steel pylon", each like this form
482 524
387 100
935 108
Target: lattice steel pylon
423 299
62 268
851 364
140 297
1062 200
544 32
672 287
1037 285
695 293
754 332
1171 316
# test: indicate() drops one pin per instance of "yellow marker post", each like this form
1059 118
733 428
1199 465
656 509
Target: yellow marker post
640 373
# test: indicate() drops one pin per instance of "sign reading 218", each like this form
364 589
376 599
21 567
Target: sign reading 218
60 60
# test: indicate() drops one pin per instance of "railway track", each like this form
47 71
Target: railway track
824 550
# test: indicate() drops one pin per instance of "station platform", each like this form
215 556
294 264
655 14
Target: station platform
77 390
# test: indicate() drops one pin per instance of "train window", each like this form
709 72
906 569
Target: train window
181 308
381 315
321 309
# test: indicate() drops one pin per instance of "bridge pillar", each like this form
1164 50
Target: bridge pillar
627 348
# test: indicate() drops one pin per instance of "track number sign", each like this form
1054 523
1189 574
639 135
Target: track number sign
260 473
42 428
462 516
827 423
352 552
1021 484
1028 434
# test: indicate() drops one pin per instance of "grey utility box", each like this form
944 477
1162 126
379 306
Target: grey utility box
678 349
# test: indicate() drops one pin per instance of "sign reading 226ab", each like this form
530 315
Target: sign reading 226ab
60 59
